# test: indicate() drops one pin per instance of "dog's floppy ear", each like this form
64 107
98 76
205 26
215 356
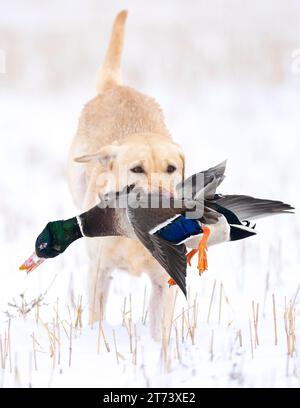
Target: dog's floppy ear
105 155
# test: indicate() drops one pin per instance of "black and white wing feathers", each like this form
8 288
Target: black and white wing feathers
170 256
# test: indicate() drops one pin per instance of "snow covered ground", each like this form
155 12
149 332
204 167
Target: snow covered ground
247 113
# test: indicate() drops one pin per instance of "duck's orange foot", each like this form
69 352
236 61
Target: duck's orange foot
202 248
202 259
202 255
171 282
190 255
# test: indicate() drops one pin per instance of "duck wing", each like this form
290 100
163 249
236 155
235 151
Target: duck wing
250 208
202 183
170 256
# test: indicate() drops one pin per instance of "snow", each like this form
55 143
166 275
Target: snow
241 105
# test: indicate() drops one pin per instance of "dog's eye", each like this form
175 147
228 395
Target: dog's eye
171 168
137 169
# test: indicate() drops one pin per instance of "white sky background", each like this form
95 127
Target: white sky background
226 76
200 59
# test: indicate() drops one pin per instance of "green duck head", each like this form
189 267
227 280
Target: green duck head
56 237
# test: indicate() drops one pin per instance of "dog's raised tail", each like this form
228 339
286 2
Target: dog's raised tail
110 74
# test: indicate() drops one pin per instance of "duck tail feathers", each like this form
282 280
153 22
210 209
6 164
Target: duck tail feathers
250 208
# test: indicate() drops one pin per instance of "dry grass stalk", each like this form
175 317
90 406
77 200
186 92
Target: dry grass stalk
195 312
267 287
182 327
5 348
145 318
99 337
255 322
104 338
37 313
187 319
58 343
70 345
60 323
54 344
183 321
211 348
51 336
290 328
101 305
177 343
189 329
127 313
56 311
2 354
287 367
118 355
25 307
220 302
30 370
5 344
37 343
134 357
70 315
79 310
286 327
34 351
240 338
251 339
130 335
144 311
115 343
295 297
63 326
94 305
211 301
124 312
9 346
275 320
58 320
100 324
165 352
187 315
194 320
130 306
16 373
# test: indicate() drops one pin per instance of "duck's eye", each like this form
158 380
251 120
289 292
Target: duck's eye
171 169
137 169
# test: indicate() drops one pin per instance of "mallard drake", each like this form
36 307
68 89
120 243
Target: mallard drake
196 218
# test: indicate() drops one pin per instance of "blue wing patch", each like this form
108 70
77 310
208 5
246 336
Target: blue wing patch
180 229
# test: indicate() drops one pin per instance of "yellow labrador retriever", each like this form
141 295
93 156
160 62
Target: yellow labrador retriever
122 139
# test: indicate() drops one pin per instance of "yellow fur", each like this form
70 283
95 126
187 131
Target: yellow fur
119 129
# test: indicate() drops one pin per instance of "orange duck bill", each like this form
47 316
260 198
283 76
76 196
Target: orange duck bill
31 263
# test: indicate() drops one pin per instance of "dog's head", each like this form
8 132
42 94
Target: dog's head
149 161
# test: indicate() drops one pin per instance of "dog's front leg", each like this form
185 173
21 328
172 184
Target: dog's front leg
161 304
99 278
